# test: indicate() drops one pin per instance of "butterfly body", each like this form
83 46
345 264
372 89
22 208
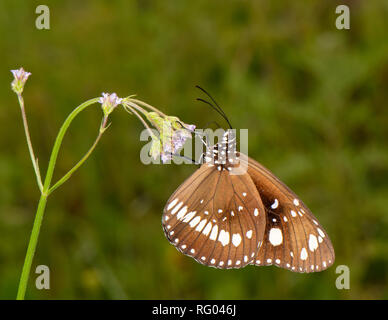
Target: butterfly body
226 217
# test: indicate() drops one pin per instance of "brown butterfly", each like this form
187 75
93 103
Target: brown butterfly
227 220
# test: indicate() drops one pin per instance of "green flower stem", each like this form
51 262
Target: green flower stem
147 105
46 190
131 106
34 160
59 139
31 248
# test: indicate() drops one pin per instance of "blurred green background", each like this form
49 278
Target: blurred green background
313 98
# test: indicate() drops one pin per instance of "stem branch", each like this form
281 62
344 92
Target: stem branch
34 160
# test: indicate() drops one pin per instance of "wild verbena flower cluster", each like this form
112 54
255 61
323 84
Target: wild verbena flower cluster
109 102
173 132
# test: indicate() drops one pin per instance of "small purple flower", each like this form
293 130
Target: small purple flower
20 78
165 157
191 127
179 138
109 102
168 146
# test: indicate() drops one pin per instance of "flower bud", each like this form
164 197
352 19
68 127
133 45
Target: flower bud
156 120
20 78
155 148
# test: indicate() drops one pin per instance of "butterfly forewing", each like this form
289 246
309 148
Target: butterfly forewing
293 237
216 218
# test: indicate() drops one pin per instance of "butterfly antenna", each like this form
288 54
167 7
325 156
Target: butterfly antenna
216 107
217 110
214 101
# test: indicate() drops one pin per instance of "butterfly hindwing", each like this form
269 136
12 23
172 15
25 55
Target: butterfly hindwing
293 238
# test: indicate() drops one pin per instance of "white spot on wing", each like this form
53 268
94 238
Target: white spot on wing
249 234
200 225
214 233
172 204
195 221
303 254
181 213
236 239
313 243
187 217
176 208
275 236
207 229
275 204
223 237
